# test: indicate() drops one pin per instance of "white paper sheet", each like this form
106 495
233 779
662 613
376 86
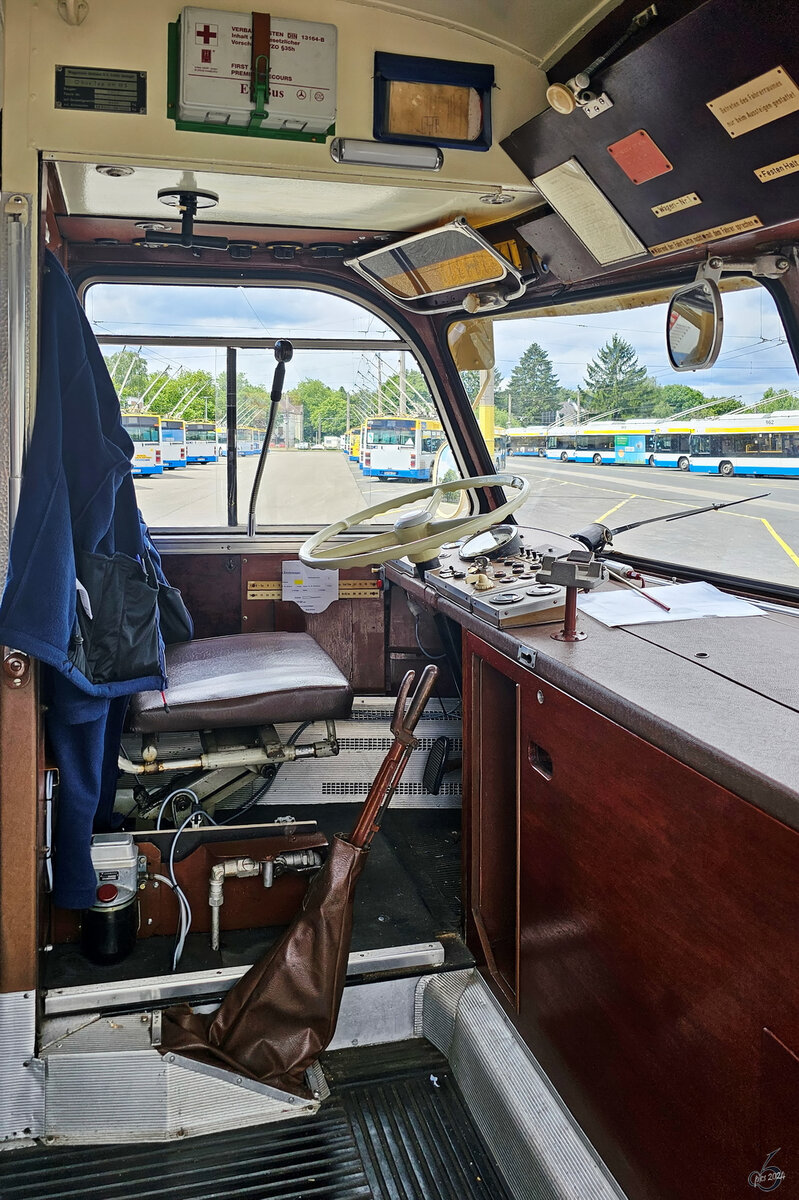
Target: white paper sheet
311 589
686 601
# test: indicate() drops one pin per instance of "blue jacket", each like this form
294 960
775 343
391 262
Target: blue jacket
77 496
77 491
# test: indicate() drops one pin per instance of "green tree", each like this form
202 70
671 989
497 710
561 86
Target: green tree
130 374
614 380
532 387
325 409
679 397
191 396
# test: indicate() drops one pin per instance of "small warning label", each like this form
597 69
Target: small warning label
776 170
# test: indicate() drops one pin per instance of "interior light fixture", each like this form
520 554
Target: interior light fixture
386 154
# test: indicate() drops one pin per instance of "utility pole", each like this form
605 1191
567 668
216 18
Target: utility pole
379 385
402 391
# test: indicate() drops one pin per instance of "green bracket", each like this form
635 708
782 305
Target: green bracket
261 91
254 129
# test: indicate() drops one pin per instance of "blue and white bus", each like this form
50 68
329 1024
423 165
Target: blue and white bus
401 447
747 445
145 433
201 442
173 443
528 441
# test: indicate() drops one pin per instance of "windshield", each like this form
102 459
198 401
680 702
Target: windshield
606 431
356 426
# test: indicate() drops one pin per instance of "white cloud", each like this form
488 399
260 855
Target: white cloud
754 355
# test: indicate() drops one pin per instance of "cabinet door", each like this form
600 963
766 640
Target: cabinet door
658 918
490 739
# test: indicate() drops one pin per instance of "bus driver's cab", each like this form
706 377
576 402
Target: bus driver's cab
349 341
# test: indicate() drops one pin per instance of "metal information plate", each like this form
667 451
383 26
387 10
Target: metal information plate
99 89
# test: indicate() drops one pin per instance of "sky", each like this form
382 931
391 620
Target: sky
754 354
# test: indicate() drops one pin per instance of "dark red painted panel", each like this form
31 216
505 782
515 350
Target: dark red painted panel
663 88
658 938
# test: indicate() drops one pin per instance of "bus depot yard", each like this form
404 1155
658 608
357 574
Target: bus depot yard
759 539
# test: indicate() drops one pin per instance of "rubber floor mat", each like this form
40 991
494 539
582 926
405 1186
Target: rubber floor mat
395 1128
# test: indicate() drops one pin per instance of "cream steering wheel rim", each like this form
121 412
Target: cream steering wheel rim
415 535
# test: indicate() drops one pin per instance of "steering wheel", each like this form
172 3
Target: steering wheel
416 535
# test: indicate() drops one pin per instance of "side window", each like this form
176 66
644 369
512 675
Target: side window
589 409
357 423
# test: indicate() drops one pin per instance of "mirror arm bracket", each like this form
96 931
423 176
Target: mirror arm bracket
766 266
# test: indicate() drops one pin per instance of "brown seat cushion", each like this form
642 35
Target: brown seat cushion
247 679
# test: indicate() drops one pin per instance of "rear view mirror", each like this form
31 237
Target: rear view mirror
694 326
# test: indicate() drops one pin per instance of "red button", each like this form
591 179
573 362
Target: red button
106 893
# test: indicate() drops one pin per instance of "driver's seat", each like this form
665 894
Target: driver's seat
233 691
246 679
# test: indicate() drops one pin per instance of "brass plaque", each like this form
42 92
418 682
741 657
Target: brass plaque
264 589
348 589
359 589
672 206
707 235
758 102
776 170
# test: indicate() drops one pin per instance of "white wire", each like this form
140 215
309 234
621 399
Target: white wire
176 792
185 916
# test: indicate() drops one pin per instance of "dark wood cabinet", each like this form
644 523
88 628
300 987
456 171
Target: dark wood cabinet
643 932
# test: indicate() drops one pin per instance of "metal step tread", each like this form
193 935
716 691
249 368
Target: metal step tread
396 1128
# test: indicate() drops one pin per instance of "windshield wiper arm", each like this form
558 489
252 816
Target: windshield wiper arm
596 537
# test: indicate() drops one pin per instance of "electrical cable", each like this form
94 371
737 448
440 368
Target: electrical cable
171 796
185 913
426 653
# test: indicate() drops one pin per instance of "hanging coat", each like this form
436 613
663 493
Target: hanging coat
79 595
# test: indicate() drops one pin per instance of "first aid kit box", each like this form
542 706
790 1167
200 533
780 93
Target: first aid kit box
216 72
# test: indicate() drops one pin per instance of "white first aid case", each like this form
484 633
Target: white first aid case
215 71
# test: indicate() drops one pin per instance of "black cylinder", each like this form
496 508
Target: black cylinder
108 935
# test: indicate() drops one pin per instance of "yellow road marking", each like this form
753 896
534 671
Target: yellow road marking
777 538
615 506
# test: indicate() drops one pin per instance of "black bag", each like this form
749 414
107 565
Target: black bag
119 640
176 623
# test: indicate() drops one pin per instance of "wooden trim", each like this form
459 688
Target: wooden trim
21 799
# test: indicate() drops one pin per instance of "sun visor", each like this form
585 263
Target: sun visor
443 270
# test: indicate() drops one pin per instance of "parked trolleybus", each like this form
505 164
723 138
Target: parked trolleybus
201 442
747 445
530 441
173 443
401 447
145 432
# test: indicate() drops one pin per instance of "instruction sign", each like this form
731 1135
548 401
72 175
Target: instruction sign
758 102
312 590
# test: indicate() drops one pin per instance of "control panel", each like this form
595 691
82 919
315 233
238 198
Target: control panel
494 577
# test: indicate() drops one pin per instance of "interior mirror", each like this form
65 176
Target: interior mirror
694 326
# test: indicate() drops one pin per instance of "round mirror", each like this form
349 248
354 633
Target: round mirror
694 326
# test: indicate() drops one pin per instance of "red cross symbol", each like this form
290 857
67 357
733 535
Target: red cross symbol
204 33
